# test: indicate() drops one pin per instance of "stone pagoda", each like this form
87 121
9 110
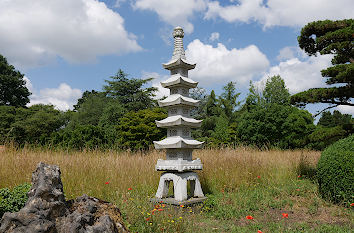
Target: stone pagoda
179 164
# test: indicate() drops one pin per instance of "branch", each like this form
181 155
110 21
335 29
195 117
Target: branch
319 112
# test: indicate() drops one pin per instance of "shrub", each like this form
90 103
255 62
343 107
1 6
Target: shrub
335 171
13 201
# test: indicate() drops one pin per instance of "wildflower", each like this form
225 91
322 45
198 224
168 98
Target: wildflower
151 223
285 215
163 205
180 217
182 206
172 221
259 231
258 177
107 182
129 189
249 217
352 204
297 189
298 176
160 209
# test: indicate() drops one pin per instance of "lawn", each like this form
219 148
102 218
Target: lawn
248 190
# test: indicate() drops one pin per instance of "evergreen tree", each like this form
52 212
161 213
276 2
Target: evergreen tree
130 92
330 37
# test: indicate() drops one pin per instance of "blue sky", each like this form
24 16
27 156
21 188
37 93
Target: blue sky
65 47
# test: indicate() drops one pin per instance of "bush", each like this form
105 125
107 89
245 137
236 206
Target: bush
13 201
335 171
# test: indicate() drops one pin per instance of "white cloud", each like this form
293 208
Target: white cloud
173 12
300 74
281 12
37 31
346 109
119 2
161 91
219 64
214 36
63 97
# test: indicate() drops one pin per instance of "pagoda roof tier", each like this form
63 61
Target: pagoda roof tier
177 142
178 63
178 80
178 99
178 120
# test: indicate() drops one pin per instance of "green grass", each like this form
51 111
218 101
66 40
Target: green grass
238 183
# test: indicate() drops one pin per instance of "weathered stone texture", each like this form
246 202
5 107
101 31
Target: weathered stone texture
46 210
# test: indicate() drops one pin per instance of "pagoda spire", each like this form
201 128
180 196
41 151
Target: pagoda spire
178 51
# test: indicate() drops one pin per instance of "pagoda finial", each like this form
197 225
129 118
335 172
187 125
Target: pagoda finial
178 51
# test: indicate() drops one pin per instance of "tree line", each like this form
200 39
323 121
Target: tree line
122 115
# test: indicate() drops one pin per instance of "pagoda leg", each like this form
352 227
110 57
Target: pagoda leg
180 188
164 184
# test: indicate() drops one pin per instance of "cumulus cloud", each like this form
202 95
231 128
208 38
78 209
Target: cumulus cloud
35 32
346 109
62 97
219 64
173 12
214 36
299 73
281 12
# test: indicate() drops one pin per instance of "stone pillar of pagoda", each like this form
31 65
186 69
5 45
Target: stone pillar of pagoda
179 164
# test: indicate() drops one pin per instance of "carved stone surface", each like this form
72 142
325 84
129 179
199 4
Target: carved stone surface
179 181
179 142
46 210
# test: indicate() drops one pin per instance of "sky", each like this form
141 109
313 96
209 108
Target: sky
65 47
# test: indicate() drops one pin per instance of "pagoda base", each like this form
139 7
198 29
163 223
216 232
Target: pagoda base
180 181
179 165
172 201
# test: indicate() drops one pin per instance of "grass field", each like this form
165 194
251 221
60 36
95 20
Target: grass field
277 188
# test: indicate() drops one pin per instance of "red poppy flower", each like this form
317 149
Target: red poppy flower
107 182
298 176
352 204
258 177
297 189
129 189
160 209
285 215
147 219
259 231
249 217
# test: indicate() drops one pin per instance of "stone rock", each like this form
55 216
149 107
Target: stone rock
46 210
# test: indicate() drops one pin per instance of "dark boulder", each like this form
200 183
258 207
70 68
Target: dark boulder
46 210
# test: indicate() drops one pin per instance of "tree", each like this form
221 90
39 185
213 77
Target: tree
228 99
130 92
13 90
35 124
275 125
330 37
137 130
275 91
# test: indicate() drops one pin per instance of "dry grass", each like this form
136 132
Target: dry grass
239 182
87 172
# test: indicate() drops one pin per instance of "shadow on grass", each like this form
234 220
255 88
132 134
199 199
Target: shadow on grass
306 170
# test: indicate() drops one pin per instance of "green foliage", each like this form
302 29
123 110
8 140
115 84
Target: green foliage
335 171
228 100
275 91
13 200
137 130
345 121
325 136
13 90
330 37
7 118
81 137
275 125
30 125
130 92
